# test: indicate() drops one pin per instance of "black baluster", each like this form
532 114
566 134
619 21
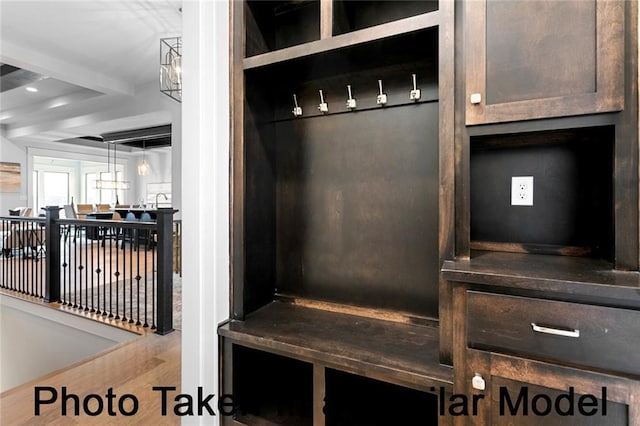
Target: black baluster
92 281
87 269
137 247
117 274
98 272
146 276
154 265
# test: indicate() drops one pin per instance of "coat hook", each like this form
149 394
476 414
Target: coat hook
414 95
323 107
382 97
351 103
297 110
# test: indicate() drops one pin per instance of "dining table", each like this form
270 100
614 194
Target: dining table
93 232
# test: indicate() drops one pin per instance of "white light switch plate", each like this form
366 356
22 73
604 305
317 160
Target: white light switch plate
522 190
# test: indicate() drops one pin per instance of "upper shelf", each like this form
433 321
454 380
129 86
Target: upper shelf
404 354
580 276
378 32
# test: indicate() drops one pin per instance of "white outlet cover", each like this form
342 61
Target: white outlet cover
522 190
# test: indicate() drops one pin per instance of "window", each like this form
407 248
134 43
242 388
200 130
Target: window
55 189
34 188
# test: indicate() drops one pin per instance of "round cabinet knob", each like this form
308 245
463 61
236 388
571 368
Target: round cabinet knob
475 98
478 382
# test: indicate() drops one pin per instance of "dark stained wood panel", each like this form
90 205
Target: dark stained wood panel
350 15
626 155
274 25
350 400
377 33
540 49
504 323
357 208
280 394
522 70
572 190
403 354
513 372
616 412
578 277
259 204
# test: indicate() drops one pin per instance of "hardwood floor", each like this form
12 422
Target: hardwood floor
130 368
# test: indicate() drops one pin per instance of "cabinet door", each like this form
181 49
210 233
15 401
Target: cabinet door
526 392
547 58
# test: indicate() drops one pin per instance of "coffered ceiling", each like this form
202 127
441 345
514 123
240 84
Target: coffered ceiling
97 62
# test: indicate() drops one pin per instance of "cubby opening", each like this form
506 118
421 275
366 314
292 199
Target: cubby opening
573 207
360 401
350 15
343 206
273 25
281 393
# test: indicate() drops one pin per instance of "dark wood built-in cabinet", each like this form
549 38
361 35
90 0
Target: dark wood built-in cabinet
546 298
538 59
377 261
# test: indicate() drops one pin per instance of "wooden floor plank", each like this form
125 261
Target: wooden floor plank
132 368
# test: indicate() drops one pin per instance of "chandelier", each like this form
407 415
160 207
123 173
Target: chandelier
114 183
171 67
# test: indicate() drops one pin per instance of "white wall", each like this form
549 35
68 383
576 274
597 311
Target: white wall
160 161
205 189
13 153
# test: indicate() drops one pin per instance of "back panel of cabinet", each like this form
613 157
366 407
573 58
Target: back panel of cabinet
572 209
342 206
357 217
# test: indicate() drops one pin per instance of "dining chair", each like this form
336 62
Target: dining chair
83 209
130 233
146 217
70 213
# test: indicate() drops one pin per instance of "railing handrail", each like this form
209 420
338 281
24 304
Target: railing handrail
95 223
24 218
55 242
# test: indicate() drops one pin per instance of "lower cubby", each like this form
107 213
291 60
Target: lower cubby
352 400
271 389
296 365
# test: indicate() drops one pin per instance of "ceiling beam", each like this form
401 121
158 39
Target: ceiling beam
27 111
62 70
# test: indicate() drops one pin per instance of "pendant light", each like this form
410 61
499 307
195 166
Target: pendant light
143 166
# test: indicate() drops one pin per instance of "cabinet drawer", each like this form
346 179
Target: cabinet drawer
578 334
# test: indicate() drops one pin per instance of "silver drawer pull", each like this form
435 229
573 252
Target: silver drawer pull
555 331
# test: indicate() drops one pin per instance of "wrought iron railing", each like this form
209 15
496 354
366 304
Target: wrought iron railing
117 269
22 241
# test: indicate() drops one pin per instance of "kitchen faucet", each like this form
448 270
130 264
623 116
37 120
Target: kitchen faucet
159 194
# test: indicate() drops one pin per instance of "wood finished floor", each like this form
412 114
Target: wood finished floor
130 368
